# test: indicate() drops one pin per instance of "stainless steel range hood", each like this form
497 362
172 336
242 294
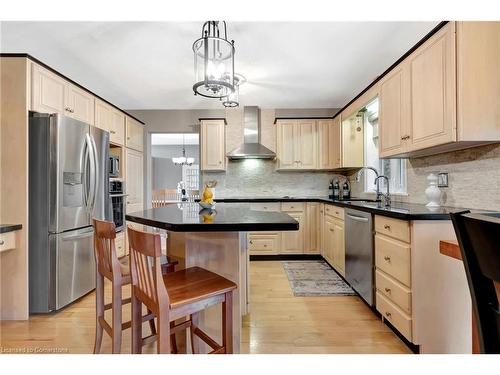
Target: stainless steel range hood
251 147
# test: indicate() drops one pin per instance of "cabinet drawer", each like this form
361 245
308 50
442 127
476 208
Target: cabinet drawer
394 315
393 257
334 211
264 244
120 244
395 228
394 291
7 241
272 206
293 206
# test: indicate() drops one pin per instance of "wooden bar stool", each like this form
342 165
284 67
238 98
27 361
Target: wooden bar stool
175 295
118 272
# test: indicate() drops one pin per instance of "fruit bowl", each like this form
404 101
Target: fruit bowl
206 205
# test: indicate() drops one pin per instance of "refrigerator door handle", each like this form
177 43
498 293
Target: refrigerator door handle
92 176
96 171
85 187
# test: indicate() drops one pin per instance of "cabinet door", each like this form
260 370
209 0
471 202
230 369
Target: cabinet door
339 246
286 139
393 112
102 115
329 240
321 229
117 127
80 104
135 135
312 226
478 81
47 91
336 144
432 91
134 179
352 142
213 145
306 144
329 143
292 242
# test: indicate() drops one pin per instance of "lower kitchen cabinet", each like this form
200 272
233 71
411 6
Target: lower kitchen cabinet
333 238
292 242
312 228
134 180
393 273
264 243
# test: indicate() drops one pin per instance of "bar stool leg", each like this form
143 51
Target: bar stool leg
227 323
163 339
99 293
136 326
117 317
152 324
194 324
173 340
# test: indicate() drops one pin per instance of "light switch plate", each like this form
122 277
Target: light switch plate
443 179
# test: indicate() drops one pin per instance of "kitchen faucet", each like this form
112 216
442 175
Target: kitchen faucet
379 194
387 195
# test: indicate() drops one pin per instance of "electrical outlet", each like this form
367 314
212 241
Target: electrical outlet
443 179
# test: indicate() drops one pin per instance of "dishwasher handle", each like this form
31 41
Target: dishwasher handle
358 218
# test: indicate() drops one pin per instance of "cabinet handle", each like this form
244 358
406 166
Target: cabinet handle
251 242
388 290
67 109
265 245
220 162
265 208
331 229
388 227
112 132
388 314
2 242
128 138
336 212
405 137
387 259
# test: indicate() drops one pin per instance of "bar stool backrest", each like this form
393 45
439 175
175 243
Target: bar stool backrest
104 248
479 239
145 269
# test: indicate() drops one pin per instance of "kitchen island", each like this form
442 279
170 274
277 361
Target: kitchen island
215 239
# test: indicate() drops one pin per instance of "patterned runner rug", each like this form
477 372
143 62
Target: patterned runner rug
315 278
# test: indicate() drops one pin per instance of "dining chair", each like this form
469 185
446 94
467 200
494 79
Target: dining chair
479 238
116 270
180 294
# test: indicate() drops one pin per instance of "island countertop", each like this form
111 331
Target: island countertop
225 217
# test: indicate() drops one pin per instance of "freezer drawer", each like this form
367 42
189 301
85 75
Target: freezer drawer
75 265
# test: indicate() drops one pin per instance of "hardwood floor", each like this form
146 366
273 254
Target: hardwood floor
278 323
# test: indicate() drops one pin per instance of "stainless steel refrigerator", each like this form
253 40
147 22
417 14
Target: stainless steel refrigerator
68 186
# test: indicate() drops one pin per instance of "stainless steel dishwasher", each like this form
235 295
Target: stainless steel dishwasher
359 252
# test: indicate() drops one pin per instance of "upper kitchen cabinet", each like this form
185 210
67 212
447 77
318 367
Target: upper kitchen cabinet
394 112
297 144
478 85
353 142
432 91
51 93
213 145
329 144
442 96
135 179
110 119
134 134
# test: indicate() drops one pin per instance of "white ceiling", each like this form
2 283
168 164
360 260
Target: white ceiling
149 65
174 139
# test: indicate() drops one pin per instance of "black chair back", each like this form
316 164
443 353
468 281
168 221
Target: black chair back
479 239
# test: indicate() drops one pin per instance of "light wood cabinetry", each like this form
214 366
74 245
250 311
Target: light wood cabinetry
134 134
312 228
112 121
213 145
292 242
333 237
134 179
394 112
7 241
51 93
353 155
393 272
441 97
297 144
329 144
264 243
432 91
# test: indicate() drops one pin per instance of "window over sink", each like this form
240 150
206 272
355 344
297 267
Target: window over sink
394 169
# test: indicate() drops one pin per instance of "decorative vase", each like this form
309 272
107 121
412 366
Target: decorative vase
432 192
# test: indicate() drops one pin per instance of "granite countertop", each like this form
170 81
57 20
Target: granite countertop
4 228
405 211
225 217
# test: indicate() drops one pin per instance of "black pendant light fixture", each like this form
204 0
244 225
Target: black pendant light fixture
214 61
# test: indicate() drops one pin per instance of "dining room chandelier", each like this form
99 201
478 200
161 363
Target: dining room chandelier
183 160
214 61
